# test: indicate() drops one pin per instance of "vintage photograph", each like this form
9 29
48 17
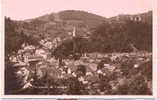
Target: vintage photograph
77 47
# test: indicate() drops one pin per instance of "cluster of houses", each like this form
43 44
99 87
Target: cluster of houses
39 61
27 53
29 56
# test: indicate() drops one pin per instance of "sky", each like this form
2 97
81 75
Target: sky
26 9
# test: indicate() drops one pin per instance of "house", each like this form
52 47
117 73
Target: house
41 52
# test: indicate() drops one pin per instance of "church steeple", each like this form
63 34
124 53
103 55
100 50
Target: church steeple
74 32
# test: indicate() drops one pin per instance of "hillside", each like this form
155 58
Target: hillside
60 24
124 33
122 30
91 20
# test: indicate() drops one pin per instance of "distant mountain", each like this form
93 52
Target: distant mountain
74 17
91 20
61 23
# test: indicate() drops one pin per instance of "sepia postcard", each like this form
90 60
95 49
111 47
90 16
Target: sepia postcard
77 48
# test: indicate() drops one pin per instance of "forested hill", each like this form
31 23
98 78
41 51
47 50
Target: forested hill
61 23
121 33
124 33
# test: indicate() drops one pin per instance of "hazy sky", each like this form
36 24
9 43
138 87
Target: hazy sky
25 9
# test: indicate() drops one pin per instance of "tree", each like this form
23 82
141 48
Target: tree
13 40
110 37
140 34
66 48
